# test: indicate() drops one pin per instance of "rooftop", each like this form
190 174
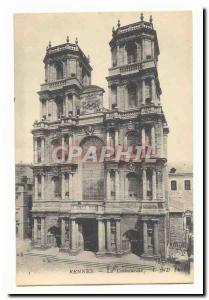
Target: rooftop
180 168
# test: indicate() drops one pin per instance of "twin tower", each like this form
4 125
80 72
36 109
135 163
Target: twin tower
117 206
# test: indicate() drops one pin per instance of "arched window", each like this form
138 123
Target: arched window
59 70
131 53
133 186
57 186
148 93
70 104
59 104
149 184
132 95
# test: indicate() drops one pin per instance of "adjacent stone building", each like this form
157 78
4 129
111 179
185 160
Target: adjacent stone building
180 199
114 206
23 203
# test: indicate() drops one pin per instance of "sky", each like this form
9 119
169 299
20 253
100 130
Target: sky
32 33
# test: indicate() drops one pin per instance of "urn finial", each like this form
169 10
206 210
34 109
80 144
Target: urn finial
142 17
150 19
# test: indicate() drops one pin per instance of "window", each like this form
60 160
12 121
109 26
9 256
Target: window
188 221
148 97
59 104
133 185
57 186
173 185
59 70
187 185
132 95
112 184
131 53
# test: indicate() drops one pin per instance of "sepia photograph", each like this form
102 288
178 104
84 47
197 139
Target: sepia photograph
104 147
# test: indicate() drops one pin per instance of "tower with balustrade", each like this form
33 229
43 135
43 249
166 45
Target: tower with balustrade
116 206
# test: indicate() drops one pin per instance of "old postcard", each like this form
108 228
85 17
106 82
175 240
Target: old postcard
104 163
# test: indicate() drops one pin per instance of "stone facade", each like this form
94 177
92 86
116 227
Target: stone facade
23 205
180 187
118 205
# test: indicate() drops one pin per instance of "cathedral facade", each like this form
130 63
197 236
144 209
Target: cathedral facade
112 200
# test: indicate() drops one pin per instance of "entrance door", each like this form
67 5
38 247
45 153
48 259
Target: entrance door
90 234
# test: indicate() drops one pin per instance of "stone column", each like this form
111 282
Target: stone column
63 186
43 231
118 56
78 235
108 185
117 185
143 50
35 230
63 148
163 184
66 105
101 236
47 109
153 140
42 186
126 188
36 187
154 190
143 92
125 143
153 91
74 235
79 182
116 137
153 49
143 142
145 242
74 105
110 97
70 143
35 150
156 239
125 60
144 180
70 187
41 109
109 247
118 236
161 141
108 139
62 232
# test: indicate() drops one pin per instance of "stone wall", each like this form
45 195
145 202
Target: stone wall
176 227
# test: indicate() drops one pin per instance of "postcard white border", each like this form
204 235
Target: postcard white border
7 161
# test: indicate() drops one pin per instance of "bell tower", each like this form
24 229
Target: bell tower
133 77
67 73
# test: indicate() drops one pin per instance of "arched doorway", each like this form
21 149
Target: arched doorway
132 236
54 236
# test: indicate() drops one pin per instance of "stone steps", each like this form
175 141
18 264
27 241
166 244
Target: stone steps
98 265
